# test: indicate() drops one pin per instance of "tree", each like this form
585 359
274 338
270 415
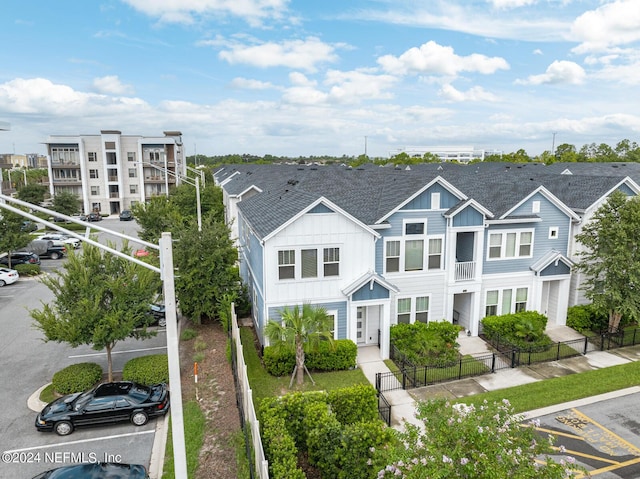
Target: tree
32 193
99 300
66 203
464 441
184 199
611 258
206 261
156 216
11 235
298 328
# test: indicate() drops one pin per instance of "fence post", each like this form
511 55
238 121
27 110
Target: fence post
513 358
493 363
460 369
558 354
586 344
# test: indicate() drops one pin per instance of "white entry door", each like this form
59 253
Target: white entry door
373 324
361 318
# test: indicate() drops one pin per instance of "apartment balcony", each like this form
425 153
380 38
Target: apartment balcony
158 179
465 271
65 164
112 178
67 181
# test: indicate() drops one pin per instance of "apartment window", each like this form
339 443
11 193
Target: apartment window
404 310
413 255
553 232
414 228
109 145
286 264
517 244
95 190
133 173
521 299
506 301
392 256
309 263
435 253
331 261
133 189
333 316
93 174
131 156
491 308
96 206
92 156
422 309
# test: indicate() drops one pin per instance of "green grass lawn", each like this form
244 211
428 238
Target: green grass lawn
194 425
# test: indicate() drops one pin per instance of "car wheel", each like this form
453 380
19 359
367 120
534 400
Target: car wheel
63 428
139 418
55 255
162 322
2 283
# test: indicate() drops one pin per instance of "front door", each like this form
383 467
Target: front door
373 324
361 318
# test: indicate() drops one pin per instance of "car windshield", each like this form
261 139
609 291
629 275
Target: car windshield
82 401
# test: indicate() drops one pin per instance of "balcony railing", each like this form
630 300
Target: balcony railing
465 270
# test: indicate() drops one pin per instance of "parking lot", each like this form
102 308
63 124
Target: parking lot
29 363
603 437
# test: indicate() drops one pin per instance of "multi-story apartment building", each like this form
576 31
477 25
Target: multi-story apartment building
111 172
377 246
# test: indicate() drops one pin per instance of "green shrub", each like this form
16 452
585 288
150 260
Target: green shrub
579 318
324 433
355 451
188 334
278 361
524 330
27 269
76 378
426 344
279 446
147 370
354 404
341 356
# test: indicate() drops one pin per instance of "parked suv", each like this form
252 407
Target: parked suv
46 249
126 215
20 257
61 239
93 216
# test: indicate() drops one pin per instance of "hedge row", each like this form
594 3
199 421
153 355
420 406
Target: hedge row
76 378
339 431
327 357
523 330
147 370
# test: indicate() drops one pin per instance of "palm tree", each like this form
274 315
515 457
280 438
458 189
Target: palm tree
298 328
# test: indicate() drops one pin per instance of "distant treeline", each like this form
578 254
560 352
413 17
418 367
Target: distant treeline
624 150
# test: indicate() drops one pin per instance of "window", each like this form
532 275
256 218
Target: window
93 173
109 145
506 301
96 206
331 261
510 245
491 308
521 299
553 232
309 261
435 253
413 255
414 228
286 264
535 207
131 156
422 309
404 310
435 201
92 156
95 190
333 315
393 256
133 173
133 189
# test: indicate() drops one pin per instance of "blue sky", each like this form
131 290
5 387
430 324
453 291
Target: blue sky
312 77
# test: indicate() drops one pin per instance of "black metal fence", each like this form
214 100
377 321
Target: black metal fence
410 376
384 409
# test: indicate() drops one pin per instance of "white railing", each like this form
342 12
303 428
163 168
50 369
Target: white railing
465 270
261 464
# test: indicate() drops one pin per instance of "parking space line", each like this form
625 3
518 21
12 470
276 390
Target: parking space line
116 352
631 448
82 441
620 465
586 456
560 433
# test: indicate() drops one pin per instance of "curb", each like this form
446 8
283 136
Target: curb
156 462
34 403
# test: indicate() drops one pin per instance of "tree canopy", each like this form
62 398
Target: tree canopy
99 300
32 193
66 203
611 258
12 237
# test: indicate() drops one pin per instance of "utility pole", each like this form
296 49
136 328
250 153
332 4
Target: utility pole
553 145
365 146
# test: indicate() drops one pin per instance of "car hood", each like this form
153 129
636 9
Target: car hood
60 405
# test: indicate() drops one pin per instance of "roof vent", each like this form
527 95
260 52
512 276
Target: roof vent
292 182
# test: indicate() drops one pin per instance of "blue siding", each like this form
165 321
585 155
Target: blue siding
254 253
423 201
339 306
320 209
436 223
379 256
552 269
469 216
365 292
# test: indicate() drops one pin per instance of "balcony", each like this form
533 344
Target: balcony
465 271
67 181
65 164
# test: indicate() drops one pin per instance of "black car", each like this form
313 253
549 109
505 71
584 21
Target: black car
126 215
109 470
20 257
106 403
157 311
28 226
93 216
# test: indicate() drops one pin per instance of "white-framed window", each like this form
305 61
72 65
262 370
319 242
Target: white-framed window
333 314
331 261
96 206
95 190
309 263
287 264
413 255
505 301
92 156
404 310
93 174
392 256
413 309
510 244
554 231
422 309
414 227
535 207
435 201
133 173
131 156
133 189
435 253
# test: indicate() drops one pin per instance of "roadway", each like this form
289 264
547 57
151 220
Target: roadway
28 363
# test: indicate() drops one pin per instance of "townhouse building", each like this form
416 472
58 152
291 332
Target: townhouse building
377 246
111 172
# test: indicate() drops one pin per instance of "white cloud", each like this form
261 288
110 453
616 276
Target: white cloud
250 84
353 86
184 11
537 51
450 93
299 79
508 4
299 54
615 23
556 73
432 58
111 85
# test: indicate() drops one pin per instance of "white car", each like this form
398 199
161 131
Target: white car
61 240
8 276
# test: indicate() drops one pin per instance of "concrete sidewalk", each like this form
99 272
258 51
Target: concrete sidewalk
403 401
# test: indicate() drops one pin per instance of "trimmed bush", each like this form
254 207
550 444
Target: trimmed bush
354 404
342 356
524 330
426 344
147 370
76 378
27 269
279 446
278 361
584 318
